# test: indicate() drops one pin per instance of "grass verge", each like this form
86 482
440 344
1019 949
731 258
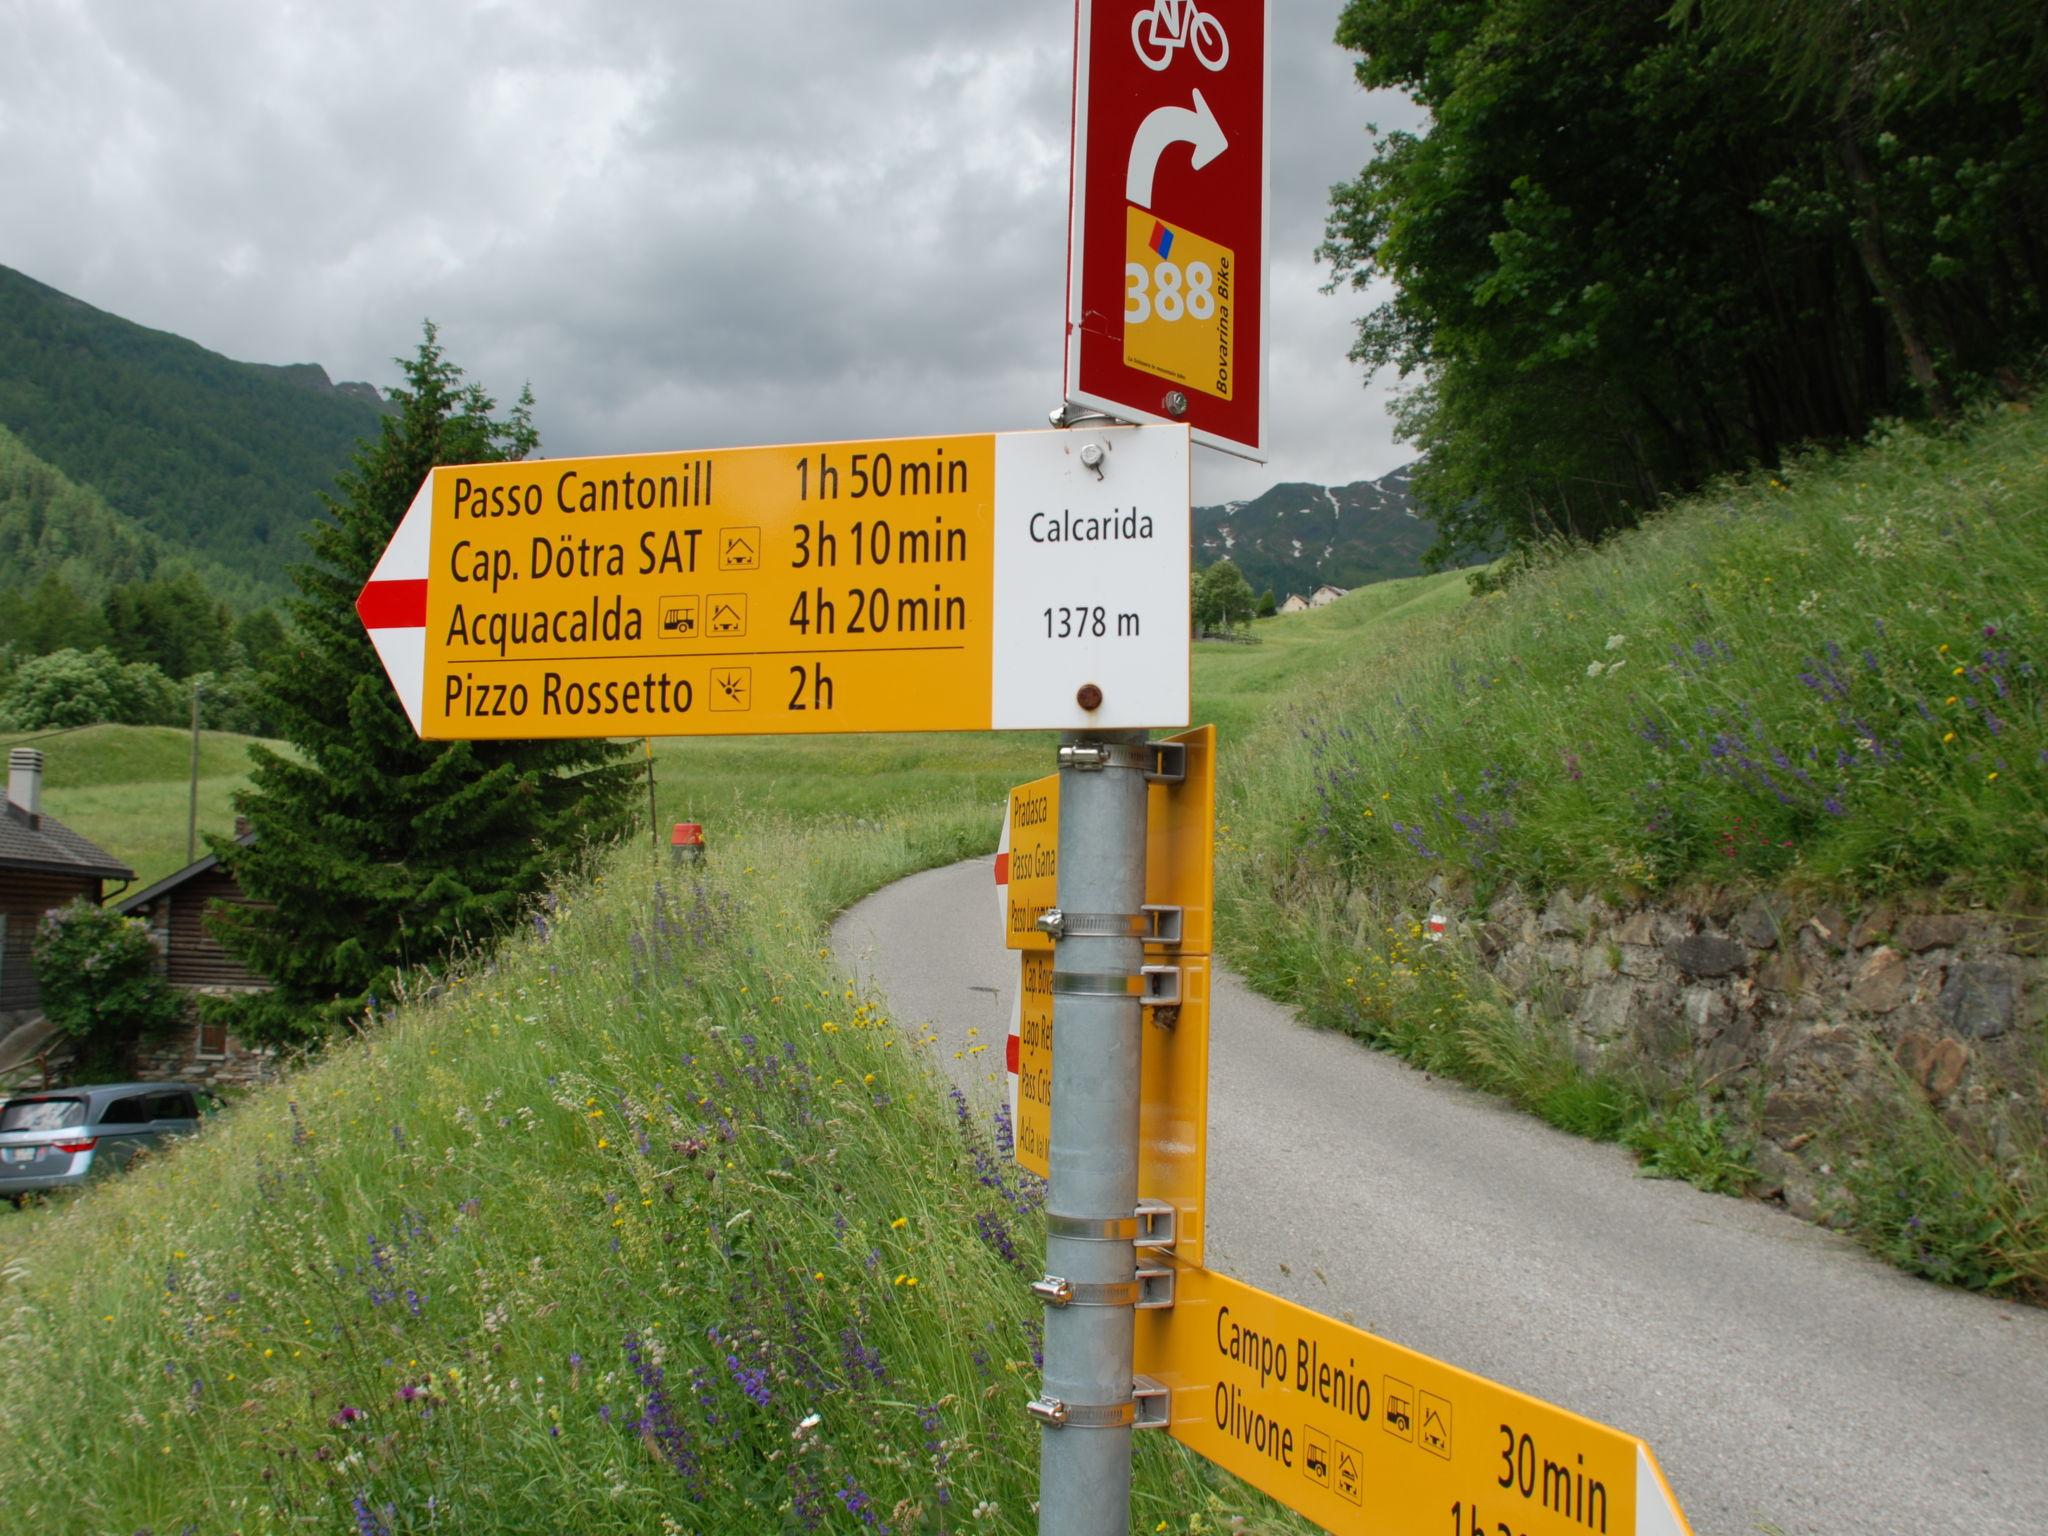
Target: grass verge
648 1222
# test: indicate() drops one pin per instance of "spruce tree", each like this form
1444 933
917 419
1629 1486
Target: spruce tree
374 849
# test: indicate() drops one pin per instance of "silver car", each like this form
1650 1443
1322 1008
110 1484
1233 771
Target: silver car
65 1136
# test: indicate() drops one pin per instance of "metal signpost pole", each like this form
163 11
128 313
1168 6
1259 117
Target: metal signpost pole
1091 1286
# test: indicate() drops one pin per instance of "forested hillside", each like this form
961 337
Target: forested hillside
52 527
220 458
1641 244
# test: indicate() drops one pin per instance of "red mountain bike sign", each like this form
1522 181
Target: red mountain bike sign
1166 259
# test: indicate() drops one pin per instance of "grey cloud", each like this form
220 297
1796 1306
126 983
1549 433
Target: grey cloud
685 225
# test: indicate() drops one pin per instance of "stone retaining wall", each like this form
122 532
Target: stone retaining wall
1793 1015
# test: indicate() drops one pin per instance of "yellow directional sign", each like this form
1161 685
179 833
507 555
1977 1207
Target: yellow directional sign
944 583
1028 862
1173 1091
1367 1438
1174 1058
1180 844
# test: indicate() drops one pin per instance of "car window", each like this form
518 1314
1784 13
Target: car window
41 1114
133 1110
172 1106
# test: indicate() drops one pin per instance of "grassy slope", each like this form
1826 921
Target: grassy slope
1834 680
466 1229
128 788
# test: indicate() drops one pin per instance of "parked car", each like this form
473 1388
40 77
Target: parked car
65 1136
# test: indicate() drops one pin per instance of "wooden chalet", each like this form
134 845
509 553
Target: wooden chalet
43 865
199 965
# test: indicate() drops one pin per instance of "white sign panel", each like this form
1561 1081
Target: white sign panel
1092 547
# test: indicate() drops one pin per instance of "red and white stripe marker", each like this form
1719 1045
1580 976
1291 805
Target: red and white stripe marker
393 603
1013 1044
1003 875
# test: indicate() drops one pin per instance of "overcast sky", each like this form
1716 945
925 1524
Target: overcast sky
686 225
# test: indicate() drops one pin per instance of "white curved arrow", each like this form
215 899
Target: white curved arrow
1171 125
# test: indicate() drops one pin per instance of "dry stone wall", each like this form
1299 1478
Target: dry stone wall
1793 1016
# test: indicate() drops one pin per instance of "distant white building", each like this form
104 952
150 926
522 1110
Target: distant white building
1322 597
1295 603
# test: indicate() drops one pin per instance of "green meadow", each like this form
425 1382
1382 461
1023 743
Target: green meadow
128 788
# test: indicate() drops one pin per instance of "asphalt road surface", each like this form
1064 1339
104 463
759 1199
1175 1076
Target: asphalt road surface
1787 1382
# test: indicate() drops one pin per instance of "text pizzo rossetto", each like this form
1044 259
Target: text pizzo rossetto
465 696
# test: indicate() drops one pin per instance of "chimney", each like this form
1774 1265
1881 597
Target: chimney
25 782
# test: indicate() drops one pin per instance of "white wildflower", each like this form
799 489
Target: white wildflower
1616 642
1594 668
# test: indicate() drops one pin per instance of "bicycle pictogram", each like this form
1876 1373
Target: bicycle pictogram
1166 26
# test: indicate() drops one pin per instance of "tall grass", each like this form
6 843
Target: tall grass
1835 677
645 1222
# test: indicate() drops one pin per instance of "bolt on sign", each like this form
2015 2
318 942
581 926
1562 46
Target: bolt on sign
1166 262
988 582
1173 1098
1367 1438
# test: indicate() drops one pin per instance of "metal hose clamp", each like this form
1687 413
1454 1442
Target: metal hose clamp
1092 1229
1064 1415
1058 1291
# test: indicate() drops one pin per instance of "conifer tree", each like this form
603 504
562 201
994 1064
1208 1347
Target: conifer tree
374 849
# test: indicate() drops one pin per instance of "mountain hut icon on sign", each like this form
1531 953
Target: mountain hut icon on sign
728 614
1435 1434
739 549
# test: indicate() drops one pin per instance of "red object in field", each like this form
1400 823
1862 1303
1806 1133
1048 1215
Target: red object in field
687 834
1439 925
1166 239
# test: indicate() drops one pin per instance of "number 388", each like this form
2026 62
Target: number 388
1162 291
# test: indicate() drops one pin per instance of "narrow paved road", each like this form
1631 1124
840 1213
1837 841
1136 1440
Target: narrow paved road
1787 1382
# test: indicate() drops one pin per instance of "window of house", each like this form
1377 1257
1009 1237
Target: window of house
213 1037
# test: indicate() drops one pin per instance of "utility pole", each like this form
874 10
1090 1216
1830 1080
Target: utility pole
1091 1286
192 813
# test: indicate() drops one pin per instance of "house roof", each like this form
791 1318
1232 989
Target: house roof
171 882
47 846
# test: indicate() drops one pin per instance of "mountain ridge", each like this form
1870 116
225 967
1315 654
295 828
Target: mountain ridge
220 459
1298 536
